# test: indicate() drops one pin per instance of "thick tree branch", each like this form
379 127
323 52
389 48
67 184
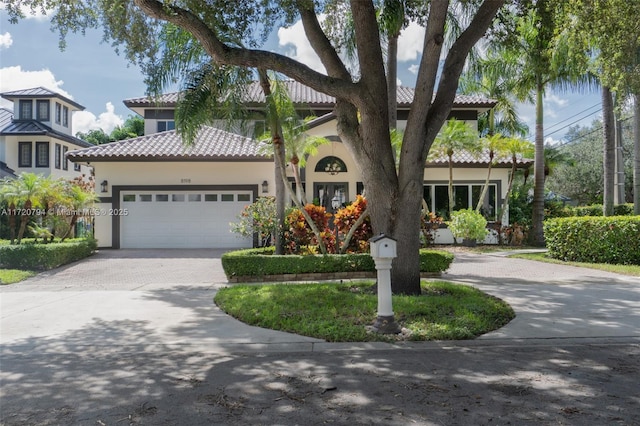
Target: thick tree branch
372 74
253 58
454 63
321 44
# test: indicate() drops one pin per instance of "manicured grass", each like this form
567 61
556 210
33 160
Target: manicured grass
10 276
633 270
341 312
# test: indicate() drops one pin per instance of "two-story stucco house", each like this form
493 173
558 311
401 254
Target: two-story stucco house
157 193
36 136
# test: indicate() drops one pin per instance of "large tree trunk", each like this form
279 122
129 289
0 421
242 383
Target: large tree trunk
395 197
537 232
636 155
608 129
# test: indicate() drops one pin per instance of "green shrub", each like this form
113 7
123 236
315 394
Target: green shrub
42 257
614 239
468 224
262 262
597 209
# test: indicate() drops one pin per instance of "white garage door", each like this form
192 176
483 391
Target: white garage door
181 219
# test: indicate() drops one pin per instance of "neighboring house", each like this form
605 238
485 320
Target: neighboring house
157 193
36 136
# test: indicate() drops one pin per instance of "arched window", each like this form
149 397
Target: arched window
332 165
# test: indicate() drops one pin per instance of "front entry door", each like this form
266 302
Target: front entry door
331 195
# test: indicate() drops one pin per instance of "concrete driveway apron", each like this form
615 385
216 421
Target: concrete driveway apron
137 299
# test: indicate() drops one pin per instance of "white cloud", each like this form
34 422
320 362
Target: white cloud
413 68
5 40
15 78
297 46
410 43
83 121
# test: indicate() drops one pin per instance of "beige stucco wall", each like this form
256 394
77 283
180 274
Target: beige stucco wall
184 173
11 157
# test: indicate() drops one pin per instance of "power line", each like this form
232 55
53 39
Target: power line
572 123
574 115
597 129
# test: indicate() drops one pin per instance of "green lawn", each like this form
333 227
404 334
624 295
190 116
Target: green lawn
10 276
341 312
633 270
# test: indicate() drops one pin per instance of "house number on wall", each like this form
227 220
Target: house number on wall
185 180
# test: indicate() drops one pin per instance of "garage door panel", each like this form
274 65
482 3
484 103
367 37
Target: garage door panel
183 223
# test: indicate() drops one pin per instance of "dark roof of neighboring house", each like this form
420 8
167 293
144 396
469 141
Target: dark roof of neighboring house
6 115
211 145
465 158
301 94
36 128
6 171
39 93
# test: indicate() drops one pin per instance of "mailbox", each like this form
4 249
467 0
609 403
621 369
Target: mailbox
382 247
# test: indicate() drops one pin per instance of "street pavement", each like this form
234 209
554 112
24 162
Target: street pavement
133 337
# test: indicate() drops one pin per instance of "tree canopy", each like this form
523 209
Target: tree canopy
232 35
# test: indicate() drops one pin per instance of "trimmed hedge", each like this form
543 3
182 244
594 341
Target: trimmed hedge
42 257
262 262
613 239
597 210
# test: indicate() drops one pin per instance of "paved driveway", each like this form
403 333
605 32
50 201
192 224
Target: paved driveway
554 301
153 298
128 298
132 337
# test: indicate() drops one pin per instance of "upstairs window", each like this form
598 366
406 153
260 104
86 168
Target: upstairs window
58 113
58 154
26 110
65 162
65 116
42 110
163 126
24 154
42 154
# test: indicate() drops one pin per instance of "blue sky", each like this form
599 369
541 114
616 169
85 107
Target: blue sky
90 72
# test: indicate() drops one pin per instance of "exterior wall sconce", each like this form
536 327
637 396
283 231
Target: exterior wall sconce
104 186
265 187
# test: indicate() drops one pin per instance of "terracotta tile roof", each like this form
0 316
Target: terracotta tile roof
35 128
211 145
39 93
467 158
301 94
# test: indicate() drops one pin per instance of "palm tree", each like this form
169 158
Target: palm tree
25 192
492 77
298 145
516 148
455 136
76 200
494 144
538 56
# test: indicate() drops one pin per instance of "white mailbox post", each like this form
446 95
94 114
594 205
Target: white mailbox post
383 251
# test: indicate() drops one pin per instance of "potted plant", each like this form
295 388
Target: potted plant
469 225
